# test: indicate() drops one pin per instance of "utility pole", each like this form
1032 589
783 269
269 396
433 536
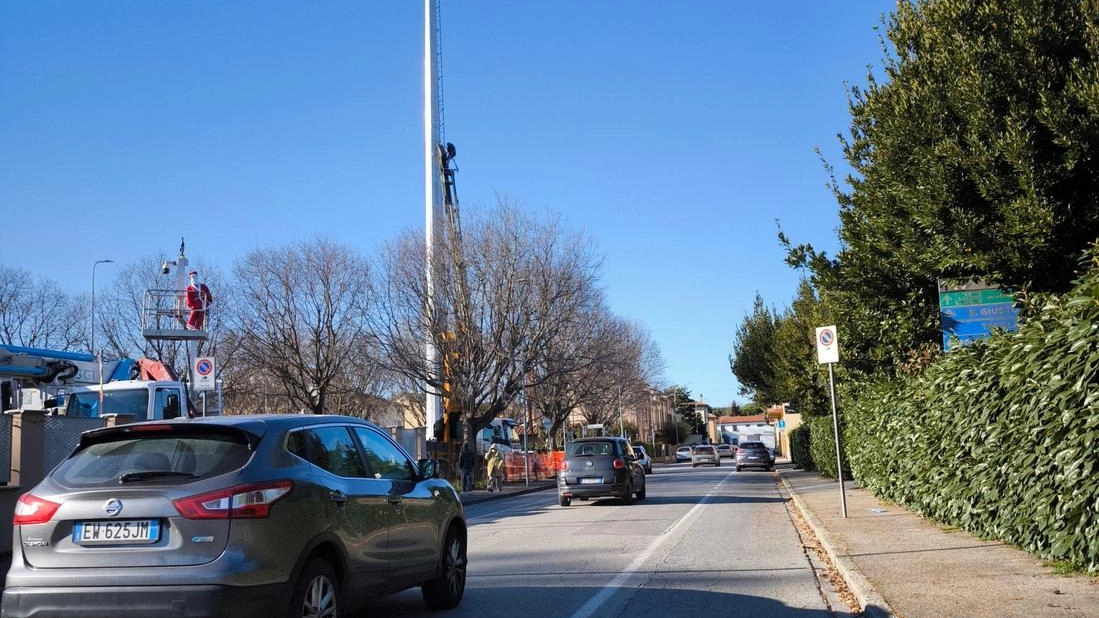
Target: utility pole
432 203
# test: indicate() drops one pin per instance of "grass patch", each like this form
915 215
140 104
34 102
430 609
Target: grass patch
1065 567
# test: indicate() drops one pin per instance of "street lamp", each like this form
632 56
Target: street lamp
97 263
675 415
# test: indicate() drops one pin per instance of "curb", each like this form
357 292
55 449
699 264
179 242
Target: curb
873 604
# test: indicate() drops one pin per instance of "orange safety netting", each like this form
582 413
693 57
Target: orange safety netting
543 466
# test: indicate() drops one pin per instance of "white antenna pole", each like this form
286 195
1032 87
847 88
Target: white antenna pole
432 200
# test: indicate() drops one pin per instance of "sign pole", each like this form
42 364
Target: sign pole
836 428
828 353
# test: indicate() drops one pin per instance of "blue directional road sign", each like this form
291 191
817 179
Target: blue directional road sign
972 314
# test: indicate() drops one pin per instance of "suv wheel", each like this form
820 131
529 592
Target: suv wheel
447 589
317 593
627 498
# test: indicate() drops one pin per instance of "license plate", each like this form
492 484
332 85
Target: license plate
753 458
122 532
591 480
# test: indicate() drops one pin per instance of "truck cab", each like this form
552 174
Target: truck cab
502 433
142 400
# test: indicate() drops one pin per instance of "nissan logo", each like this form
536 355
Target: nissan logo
113 507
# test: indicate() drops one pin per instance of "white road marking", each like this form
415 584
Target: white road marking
588 609
495 514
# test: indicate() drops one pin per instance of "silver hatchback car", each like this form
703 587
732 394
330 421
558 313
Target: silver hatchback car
241 516
704 454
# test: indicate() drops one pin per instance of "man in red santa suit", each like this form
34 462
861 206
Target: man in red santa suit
198 301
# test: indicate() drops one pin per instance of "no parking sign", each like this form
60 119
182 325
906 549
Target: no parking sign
204 374
828 347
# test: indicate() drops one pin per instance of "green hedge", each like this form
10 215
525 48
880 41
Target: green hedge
999 438
822 447
799 448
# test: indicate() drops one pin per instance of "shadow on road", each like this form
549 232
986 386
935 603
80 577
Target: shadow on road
564 602
685 499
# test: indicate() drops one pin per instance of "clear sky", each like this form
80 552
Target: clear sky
673 133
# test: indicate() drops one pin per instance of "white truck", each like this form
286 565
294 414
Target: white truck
71 383
500 432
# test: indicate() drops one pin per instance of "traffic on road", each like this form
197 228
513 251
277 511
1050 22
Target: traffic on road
704 542
521 554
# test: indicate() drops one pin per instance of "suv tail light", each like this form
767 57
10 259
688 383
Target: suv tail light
30 509
619 463
239 502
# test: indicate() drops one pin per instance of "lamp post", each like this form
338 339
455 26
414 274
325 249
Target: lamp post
675 415
652 426
97 263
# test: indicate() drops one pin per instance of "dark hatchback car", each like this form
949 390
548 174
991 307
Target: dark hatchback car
600 467
235 516
753 455
643 459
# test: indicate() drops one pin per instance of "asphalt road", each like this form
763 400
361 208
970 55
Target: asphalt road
705 542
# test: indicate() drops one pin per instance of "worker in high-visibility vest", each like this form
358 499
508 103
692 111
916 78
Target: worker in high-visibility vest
495 468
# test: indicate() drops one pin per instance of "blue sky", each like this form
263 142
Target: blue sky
673 134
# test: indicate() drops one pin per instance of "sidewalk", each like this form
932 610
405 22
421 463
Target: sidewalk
900 564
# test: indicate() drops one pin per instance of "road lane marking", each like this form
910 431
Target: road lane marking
491 515
589 608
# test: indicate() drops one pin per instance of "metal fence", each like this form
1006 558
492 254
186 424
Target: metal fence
62 436
5 448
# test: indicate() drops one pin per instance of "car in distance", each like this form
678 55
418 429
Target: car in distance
683 453
704 454
643 459
600 467
725 450
753 455
241 516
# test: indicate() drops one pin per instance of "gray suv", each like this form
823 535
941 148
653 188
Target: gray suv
235 516
753 455
600 467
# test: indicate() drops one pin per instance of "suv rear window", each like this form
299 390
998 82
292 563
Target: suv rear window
189 456
753 446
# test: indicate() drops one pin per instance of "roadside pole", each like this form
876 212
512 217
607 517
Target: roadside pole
828 352
526 432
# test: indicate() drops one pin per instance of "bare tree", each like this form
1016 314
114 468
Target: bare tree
625 374
38 314
300 320
505 284
571 368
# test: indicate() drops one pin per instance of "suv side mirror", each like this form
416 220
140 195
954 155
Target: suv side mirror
428 468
